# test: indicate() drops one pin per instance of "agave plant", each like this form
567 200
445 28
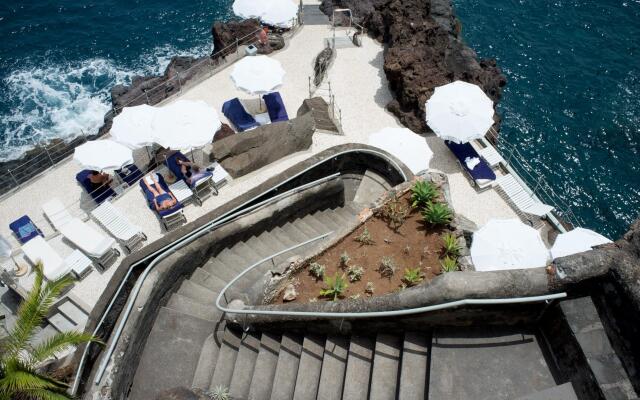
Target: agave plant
365 237
437 214
449 264
451 246
335 286
316 270
220 393
20 357
423 193
412 276
387 267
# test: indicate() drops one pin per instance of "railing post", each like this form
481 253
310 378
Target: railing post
146 95
13 177
237 47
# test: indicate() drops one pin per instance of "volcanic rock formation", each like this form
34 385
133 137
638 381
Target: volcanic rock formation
424 50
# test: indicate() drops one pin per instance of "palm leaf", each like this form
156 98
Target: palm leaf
20 381
57 343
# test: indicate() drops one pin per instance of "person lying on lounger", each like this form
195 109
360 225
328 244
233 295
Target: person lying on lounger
191 171
99 179
161 199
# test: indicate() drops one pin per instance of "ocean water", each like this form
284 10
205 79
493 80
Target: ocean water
571 107
572 102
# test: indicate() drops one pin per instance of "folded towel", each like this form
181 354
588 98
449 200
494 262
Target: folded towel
148 179
472 162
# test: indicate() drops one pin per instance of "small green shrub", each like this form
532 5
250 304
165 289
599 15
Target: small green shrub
369 288
449 264
387 267
395 213
423 193
412 276
365 237
355 273
451 246
316 270
220 393
437 214
344 259
335 286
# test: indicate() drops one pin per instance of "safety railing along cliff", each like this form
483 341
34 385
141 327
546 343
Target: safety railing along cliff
48 155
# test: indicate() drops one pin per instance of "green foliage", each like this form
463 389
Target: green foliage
412 276
316 270
395 213
344 259
369 288
19 356
437 214
220 393
387 267
335 286
451 246
355 273
423 193
449 264
365 237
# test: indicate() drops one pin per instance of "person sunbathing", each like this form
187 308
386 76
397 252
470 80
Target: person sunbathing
99 179
161 199
192 172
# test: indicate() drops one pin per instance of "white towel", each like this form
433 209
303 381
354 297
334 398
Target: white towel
471 162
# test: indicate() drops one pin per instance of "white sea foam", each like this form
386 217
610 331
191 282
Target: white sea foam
65 101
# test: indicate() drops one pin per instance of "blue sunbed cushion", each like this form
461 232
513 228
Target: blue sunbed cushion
149 197
99 193
129 174
462 151
235 112
25 229
275 107
172 164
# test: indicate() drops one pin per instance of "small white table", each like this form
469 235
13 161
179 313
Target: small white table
181 191
262 119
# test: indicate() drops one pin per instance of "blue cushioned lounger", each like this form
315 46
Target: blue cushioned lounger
99 193
149 197
235 112
130 174
275 107
482 174
25 229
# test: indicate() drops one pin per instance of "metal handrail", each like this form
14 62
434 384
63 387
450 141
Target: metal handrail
364 314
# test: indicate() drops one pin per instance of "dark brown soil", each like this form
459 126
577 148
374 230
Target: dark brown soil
413 245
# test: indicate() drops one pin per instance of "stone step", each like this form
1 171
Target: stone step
218 269
386 364
371 188
309 368
284 380
305 227
328 219
415 364
244 367
273 242
226 359
354 208
334 365
265 368
284 237
295 232
359 360
62 323
204 278
187 305
197 293
245 253
561 392
347 216
171 353
73 313
317 224
255 246
232 261
206 363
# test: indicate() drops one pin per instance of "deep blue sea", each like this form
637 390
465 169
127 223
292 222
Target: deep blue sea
571 105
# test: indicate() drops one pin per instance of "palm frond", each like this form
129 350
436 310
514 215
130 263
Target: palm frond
57 343
20 381
39 394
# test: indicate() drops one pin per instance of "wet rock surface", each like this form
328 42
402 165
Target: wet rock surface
424 50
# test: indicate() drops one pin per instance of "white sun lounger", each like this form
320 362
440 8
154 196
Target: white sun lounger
118 225
520 198
220 175
38 250
90 241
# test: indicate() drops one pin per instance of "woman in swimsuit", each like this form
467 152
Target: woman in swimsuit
161 199
191 171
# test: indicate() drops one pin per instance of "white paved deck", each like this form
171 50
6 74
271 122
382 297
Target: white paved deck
361 96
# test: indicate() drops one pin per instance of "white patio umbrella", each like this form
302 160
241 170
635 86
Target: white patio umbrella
459 112
507 244
405 145
576 241
258 74
103 155
132 127
5 248
185 125
279 13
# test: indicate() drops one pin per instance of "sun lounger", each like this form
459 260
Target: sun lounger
129 174
98 193
84 237
25 229
275 107
524 202
202 188
38 250
220 175
119 226
471 162
171 217
235 112
491 156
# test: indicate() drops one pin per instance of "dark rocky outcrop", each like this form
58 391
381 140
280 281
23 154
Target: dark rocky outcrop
224 131
424 50
321 64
